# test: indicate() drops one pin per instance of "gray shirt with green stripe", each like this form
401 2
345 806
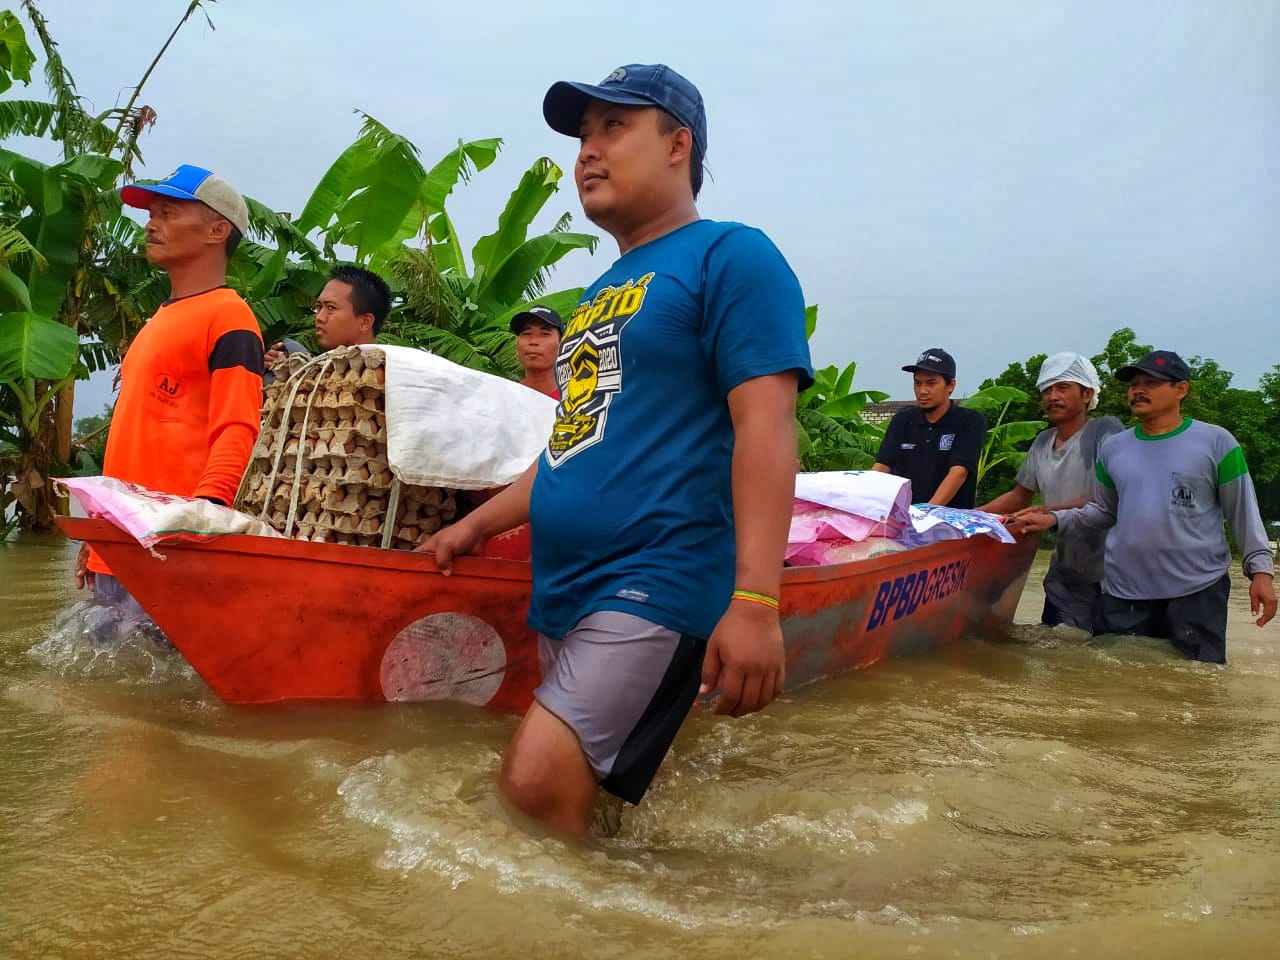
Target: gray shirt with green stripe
1164 499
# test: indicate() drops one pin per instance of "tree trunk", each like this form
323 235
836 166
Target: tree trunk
33 488
64 405
64 410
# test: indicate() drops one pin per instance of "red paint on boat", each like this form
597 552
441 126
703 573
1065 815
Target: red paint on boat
264 620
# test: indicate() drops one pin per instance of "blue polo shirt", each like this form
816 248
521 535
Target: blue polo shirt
632 505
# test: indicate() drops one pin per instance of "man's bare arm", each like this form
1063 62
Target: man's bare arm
508 510
744 658
1019 498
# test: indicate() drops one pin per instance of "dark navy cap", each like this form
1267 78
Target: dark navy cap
537 314
1161 364
934 360
635 85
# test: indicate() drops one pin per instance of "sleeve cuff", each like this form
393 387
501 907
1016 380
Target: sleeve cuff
1259 563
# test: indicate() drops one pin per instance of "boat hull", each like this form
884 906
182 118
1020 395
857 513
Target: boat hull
266 620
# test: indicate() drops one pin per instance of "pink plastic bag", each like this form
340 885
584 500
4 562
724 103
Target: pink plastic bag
151 518
812 521
822 552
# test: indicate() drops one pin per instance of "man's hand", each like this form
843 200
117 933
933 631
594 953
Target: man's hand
1033 520
745 660
84 576
274 353
1262 596
453 541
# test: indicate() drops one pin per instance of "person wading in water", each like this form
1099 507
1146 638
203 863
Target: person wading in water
191 381
1164 489
661 505
1060 467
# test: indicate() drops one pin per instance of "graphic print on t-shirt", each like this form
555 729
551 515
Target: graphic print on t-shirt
589 368
1182 492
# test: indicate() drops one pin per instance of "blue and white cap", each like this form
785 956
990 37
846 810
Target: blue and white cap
190 182
635 85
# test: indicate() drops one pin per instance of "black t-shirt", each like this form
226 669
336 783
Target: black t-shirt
924 452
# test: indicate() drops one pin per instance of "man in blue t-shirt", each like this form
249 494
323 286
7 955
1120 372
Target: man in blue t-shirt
661 505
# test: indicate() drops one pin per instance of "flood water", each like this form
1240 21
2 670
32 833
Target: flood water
1040 796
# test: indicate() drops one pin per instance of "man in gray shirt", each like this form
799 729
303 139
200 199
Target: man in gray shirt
1060 467
1163 491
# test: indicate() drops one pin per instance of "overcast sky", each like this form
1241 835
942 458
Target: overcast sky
997 178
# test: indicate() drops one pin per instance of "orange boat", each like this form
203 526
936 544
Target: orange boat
266 620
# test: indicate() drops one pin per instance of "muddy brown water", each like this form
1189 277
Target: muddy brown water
1035 796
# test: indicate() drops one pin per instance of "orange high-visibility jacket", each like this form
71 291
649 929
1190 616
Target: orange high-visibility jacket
190 393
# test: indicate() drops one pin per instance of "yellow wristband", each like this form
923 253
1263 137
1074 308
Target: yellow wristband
759 598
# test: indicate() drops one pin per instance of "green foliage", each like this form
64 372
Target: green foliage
832 434
35 348
16 56
94 423
1121 350
1007 440
1022 376
68 260
462 313
378 199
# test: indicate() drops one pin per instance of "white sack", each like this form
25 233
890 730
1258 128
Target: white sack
880 497
450 426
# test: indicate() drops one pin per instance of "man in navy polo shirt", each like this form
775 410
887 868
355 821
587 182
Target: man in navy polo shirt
661 505
936 443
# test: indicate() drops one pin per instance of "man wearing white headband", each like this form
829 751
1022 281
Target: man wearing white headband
1060 467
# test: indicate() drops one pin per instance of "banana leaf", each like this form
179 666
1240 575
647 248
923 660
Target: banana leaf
33 347
531 194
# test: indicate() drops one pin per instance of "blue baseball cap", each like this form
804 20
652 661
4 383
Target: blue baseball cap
190 182
635 85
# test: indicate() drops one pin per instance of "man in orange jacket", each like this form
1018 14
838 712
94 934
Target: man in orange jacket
191 381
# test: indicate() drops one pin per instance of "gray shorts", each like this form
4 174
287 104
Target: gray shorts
624 685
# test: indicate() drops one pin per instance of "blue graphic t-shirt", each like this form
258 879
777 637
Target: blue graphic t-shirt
632 506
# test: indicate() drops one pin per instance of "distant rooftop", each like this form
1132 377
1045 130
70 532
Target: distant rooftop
883 411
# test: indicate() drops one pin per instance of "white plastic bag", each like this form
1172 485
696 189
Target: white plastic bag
450 426
880 497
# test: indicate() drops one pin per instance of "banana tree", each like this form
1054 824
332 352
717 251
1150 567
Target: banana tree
829 425
37 358
1007 442
51 206
463 313
61 234
380 200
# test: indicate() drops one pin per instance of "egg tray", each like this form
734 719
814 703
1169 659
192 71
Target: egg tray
319 470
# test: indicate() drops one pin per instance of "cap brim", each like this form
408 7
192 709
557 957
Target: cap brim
143 195
566 102
1125 374
522 320
918 368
